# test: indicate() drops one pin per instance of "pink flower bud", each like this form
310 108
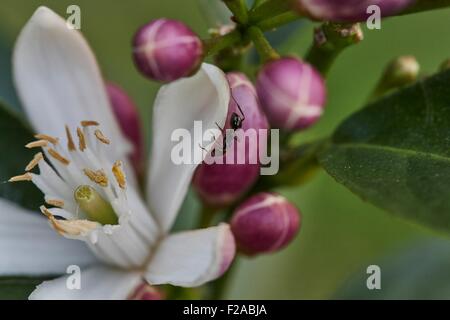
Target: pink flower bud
166 50
348 10
222 184
292 93
146 292
128 117
264 223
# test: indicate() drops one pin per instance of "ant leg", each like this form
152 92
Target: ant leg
221 129
201 147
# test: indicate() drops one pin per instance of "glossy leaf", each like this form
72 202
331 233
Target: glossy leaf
419 272
14 134
19 288
395 153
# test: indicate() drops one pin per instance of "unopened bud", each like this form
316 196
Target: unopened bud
94 206
400 72
146 292
445 65
348 10
220 184
127 115
166 50
292 93
264 223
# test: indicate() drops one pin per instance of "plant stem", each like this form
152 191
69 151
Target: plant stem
426 5
216 44
330 39
262 45
256 3
269 9
277 21
239 10
206 216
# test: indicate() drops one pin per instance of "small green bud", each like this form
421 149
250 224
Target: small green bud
399 72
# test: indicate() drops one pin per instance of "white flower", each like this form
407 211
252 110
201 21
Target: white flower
59 84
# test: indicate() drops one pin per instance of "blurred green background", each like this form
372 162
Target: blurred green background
341 235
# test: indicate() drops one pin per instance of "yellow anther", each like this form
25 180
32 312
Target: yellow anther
70 143
47 138
99 177
23 177
57 156
34 162
100 136
119 174
89 123
37 144
81 139
69 227
55 202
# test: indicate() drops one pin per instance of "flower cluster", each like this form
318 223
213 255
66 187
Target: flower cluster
91 151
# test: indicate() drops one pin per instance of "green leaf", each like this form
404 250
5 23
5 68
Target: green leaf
419 272
14 134
395 153
19 288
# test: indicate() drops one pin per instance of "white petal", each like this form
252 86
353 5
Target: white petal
191 258
101 282
203 97
29 246
58 80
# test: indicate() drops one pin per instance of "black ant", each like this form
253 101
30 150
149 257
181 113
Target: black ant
236 122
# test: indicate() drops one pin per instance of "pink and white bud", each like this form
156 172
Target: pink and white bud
127 115
166 50
292 93
146 292
349 10
264 223
220 184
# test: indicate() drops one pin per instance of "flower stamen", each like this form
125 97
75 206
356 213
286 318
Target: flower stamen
99 176
70 143
81 139
37 144
23 177
57 156
88 123
55 202
100 136
34 162
46 137
119 174
69 227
